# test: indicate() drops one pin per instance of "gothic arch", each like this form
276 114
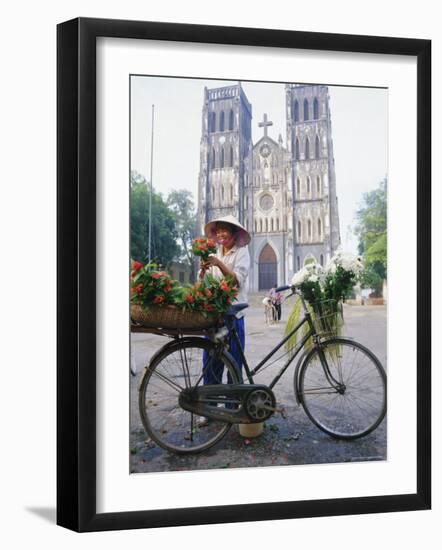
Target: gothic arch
317 147
231 120
297 154
213 158
261 246
307 148
308 184
298 187
319 229
221 121
221 162
231 156
296 111
299 234
267 266
318 185
309 229
306 110
315 109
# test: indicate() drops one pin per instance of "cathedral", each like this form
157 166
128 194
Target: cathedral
283 194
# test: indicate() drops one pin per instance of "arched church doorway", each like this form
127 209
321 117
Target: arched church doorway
268 268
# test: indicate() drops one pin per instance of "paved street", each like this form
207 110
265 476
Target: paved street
291 440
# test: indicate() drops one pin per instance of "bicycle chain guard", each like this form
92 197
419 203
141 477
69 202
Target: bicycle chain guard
234 403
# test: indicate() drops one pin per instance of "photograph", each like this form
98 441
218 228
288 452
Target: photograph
258 274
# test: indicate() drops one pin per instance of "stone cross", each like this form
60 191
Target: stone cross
264 124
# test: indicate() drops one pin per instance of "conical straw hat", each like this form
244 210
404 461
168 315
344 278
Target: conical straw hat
242 236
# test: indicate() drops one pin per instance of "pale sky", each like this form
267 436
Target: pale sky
359 132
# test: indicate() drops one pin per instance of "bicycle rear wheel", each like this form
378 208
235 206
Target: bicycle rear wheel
176 368
357 404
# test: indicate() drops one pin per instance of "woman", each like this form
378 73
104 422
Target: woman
232 259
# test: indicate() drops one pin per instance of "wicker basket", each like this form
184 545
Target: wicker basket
171 317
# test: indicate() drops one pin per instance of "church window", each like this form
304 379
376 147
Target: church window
298 262
296 111
231 157
309 229
307 148
299 232
222 193
319 228
231 120
256 226
221 162
221 121
306 110
277 224
297 155
260 226
317 147
298 187
213 193
212 122
318 185
315 108
271 225
267 225
231 192
308 185
213 158
321 260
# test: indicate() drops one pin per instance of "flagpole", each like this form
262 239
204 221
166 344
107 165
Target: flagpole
151 188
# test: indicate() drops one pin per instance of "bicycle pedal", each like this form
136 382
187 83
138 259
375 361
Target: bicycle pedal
280 410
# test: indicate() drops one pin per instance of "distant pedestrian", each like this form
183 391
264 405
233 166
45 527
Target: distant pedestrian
276 298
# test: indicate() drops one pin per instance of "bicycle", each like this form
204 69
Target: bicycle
340 384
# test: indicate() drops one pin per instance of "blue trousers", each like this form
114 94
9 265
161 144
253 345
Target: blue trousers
213 370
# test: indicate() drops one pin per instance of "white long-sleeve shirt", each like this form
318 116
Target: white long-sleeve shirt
237 259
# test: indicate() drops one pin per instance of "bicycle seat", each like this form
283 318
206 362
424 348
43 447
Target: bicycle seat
234 309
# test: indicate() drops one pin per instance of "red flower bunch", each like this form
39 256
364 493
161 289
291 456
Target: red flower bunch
211 295
152 287
203 247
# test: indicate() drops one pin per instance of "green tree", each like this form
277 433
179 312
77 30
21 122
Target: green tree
181 203
371 229
164 246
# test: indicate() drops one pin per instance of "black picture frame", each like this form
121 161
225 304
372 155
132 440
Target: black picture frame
76 273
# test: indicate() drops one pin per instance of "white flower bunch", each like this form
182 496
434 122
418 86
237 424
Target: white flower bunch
309 273
347 261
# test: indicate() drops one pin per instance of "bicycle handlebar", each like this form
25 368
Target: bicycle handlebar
282 288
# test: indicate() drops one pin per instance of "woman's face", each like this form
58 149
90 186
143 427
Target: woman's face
223 233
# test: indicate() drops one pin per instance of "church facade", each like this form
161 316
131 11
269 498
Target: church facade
285 195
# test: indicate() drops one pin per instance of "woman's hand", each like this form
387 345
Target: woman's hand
212 261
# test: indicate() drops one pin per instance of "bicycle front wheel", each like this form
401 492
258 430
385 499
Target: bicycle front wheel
343 389
176 368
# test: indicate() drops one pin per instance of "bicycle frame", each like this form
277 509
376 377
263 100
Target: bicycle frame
312 333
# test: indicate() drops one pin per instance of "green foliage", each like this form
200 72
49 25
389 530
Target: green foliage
181 203
371 228
370 278
164 246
